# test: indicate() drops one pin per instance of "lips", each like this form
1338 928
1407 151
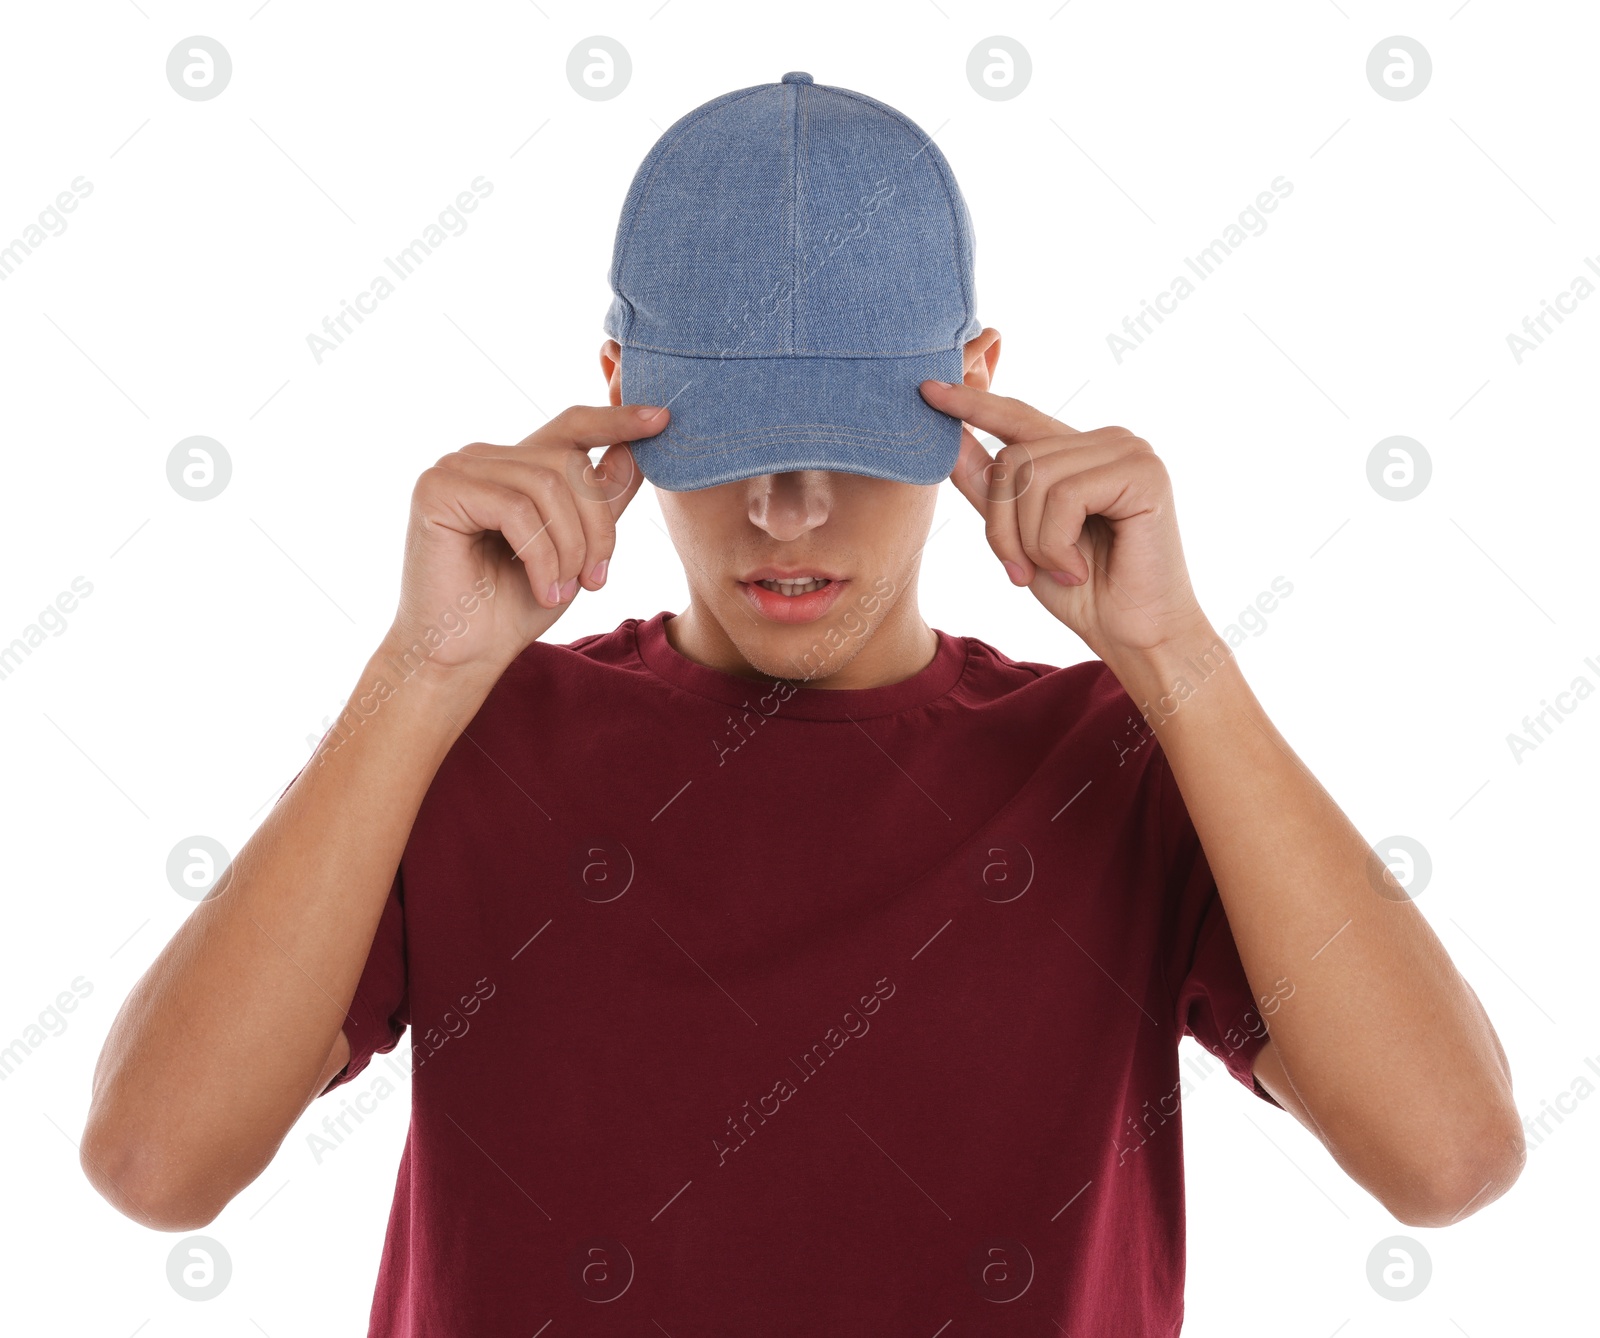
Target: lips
781 608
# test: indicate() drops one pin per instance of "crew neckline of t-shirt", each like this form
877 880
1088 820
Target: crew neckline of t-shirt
803 702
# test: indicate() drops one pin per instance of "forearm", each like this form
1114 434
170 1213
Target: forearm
218 1049
1385 1044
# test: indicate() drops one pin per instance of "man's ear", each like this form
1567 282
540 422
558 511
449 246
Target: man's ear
611 368
979 358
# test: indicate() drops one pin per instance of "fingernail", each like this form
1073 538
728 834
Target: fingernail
1064 578
598 575
569 589
553 595
647 411
1014 571
944 384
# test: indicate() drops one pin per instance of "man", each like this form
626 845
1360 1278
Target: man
787 965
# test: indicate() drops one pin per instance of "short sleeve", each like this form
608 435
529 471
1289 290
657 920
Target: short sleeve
1212 998
381 1008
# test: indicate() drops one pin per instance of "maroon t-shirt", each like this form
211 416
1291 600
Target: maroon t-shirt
744 1007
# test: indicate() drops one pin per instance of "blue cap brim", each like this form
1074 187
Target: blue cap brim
735 418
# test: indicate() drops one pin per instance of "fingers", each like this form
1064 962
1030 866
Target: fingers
1011 420
453 496
1130 485
1035 495
1072 484
592 425
577 501
549 537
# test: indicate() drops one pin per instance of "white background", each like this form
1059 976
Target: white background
188 688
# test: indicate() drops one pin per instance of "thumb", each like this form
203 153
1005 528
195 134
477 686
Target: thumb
618 475
993 492
972 470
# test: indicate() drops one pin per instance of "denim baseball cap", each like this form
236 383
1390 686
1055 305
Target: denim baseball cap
791 261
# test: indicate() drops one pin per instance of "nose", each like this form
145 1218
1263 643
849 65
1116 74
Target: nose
787 505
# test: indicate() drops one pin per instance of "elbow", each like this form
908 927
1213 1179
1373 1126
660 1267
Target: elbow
1454 1187
140 1191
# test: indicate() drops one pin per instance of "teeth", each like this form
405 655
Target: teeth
788 587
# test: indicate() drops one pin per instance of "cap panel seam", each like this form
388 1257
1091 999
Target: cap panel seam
796 184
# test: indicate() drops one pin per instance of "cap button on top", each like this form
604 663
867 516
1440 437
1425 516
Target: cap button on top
797 77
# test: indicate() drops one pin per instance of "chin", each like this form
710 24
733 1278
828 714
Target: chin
802 652
807 637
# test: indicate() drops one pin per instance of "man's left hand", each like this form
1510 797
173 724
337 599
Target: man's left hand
1083 519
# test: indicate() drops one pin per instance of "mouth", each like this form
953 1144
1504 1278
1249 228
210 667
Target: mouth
794 588
792 597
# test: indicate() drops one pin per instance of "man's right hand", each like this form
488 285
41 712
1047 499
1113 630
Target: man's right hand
502 537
